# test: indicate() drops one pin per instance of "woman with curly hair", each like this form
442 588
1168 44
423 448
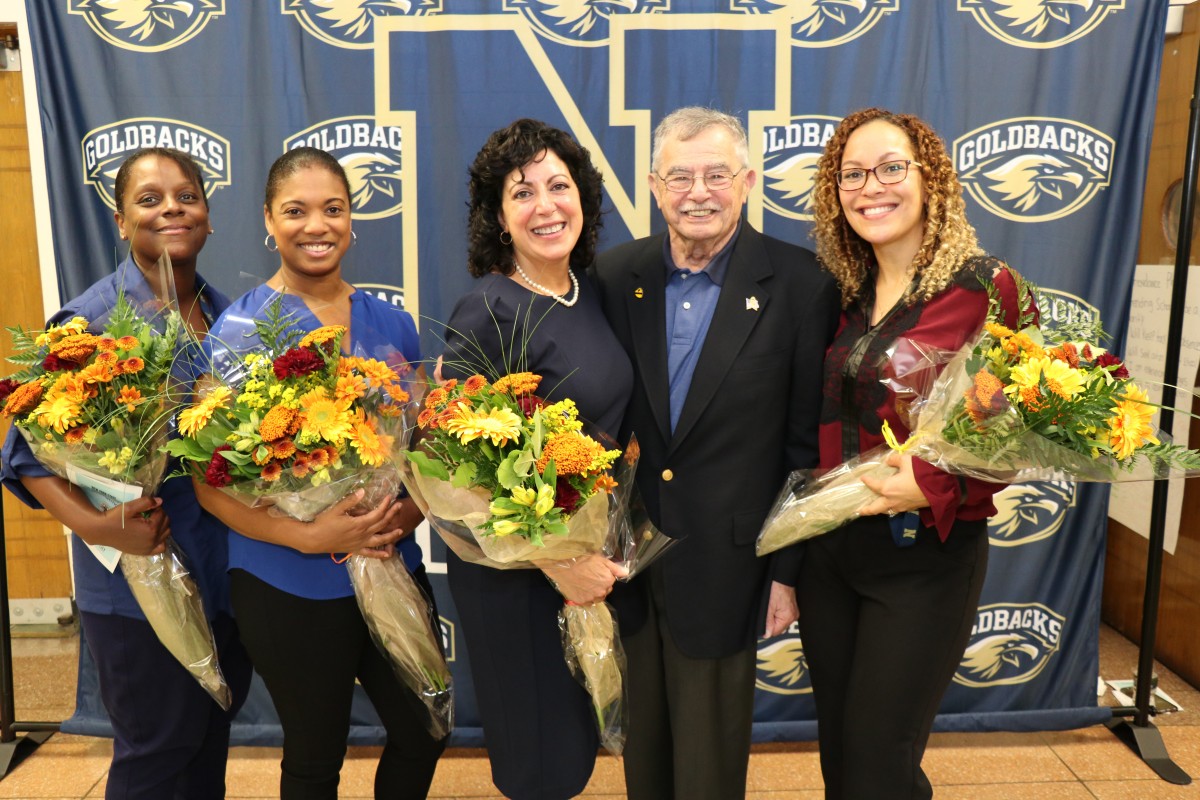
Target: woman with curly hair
888 600
534 219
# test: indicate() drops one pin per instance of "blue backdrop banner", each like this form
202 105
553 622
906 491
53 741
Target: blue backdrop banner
1046 106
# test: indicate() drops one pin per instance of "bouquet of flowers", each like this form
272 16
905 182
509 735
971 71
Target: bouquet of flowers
95 409
297 426
1008 407
510 481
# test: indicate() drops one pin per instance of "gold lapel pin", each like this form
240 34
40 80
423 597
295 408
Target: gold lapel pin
638 293
752 303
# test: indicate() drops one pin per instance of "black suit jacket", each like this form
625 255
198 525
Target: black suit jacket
750 416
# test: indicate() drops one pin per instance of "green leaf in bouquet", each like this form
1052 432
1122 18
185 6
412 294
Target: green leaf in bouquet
464 476
234 457
430 468
508 473
276 329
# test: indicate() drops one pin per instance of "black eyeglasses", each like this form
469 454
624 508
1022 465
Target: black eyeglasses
886 173
715 181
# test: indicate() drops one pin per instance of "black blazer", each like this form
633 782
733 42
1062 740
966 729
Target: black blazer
751 416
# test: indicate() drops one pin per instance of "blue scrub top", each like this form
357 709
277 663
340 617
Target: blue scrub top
200 535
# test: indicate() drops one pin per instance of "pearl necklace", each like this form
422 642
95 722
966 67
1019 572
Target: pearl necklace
542 289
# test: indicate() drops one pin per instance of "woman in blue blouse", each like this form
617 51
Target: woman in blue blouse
170 738
299 619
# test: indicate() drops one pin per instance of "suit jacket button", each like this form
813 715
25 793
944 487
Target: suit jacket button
667 475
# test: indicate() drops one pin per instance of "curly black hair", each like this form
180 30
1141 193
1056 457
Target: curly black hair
190 169
512 148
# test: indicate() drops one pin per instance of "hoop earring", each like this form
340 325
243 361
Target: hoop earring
502 235
353 238
267 244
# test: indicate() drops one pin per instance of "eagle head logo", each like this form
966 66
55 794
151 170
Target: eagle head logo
1029 512
1040 23
1024 180
792 180
148 25
350 23
579 22
374 181
782 668
809 16
1032 17
986 658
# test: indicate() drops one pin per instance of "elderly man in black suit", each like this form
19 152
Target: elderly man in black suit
727 329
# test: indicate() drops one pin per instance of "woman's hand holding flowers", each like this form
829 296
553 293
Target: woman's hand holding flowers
338 529
898 493
584 580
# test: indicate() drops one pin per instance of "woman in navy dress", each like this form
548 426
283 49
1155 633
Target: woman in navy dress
534 221
170 738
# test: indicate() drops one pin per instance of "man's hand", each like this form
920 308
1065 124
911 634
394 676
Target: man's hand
782 609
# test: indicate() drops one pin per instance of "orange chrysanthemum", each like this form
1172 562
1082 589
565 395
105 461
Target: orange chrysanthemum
131 366
998 330
97 372
427 419
106 345
276 423
108 359
271 472
1066 352
24 398
572 452
436 398
284 450
396 393
302 465
75 435
319 458
518 384
450 384
377 372
127 342
262 454
473 385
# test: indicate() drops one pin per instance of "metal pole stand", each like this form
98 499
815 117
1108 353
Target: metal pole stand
13 747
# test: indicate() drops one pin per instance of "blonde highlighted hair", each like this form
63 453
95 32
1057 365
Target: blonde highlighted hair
948 241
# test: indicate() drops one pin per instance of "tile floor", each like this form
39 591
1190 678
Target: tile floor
1088 764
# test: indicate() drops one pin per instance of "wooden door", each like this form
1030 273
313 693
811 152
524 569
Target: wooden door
35 544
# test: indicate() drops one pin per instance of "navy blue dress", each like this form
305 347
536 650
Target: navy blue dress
538 722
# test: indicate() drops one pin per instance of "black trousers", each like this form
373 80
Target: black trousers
884 628
170 740
689 718
309 653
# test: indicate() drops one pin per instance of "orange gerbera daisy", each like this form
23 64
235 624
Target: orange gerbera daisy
1130 427
323 417
349 388
372 448
997 330
396 392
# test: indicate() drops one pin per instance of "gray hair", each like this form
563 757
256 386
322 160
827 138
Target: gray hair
690 121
